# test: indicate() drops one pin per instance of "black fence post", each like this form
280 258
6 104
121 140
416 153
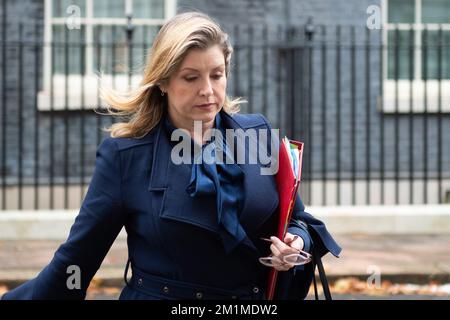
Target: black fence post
411 114
309 33
4 113
130 30
381 118
290 87
338 114
425 75
99 52
368 113
353 112
66 116
20 118
82 62
251 100
439 115
324 118
37 58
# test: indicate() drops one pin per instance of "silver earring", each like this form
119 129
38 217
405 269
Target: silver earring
162 93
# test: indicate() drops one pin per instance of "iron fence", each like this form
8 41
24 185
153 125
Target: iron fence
375 127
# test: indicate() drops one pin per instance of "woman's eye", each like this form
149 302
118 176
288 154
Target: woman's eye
215 77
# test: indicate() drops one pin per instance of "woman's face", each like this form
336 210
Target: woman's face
196 92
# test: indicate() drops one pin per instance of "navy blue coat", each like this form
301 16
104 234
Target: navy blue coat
171 235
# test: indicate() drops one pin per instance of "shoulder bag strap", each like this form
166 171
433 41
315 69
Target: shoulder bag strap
323 278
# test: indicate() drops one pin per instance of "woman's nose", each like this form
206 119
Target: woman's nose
206 89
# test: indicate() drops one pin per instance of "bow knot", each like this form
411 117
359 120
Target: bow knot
222 178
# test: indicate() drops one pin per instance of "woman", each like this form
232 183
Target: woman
195 230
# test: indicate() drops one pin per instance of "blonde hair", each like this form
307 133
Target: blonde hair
145 105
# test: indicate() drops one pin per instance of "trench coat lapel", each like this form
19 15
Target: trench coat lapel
172 179
260 196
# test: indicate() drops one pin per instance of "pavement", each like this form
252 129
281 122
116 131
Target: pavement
365 259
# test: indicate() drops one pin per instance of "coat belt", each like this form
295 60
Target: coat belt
173 289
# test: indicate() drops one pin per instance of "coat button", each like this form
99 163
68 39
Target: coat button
139 281
255 289
199 295
166 289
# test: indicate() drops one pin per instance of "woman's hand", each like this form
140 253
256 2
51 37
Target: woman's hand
292 244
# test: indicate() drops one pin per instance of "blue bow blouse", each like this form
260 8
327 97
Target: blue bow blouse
221 179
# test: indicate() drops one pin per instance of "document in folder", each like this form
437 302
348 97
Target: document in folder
288 181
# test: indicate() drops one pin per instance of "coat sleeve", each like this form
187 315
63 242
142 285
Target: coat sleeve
97 225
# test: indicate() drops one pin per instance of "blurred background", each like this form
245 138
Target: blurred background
365 84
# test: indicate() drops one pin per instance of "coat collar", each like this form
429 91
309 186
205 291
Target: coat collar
260 193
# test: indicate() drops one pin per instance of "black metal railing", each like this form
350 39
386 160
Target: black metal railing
324 85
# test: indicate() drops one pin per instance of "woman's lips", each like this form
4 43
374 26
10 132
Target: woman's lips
204 106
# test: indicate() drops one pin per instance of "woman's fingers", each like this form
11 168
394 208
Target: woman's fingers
289 237
275 250
279 250
285 267
280 265
282 247
294 241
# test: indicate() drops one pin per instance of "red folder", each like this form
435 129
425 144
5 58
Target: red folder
287 187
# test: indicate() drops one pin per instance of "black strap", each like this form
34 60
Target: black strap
125 274
316 296
323 278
